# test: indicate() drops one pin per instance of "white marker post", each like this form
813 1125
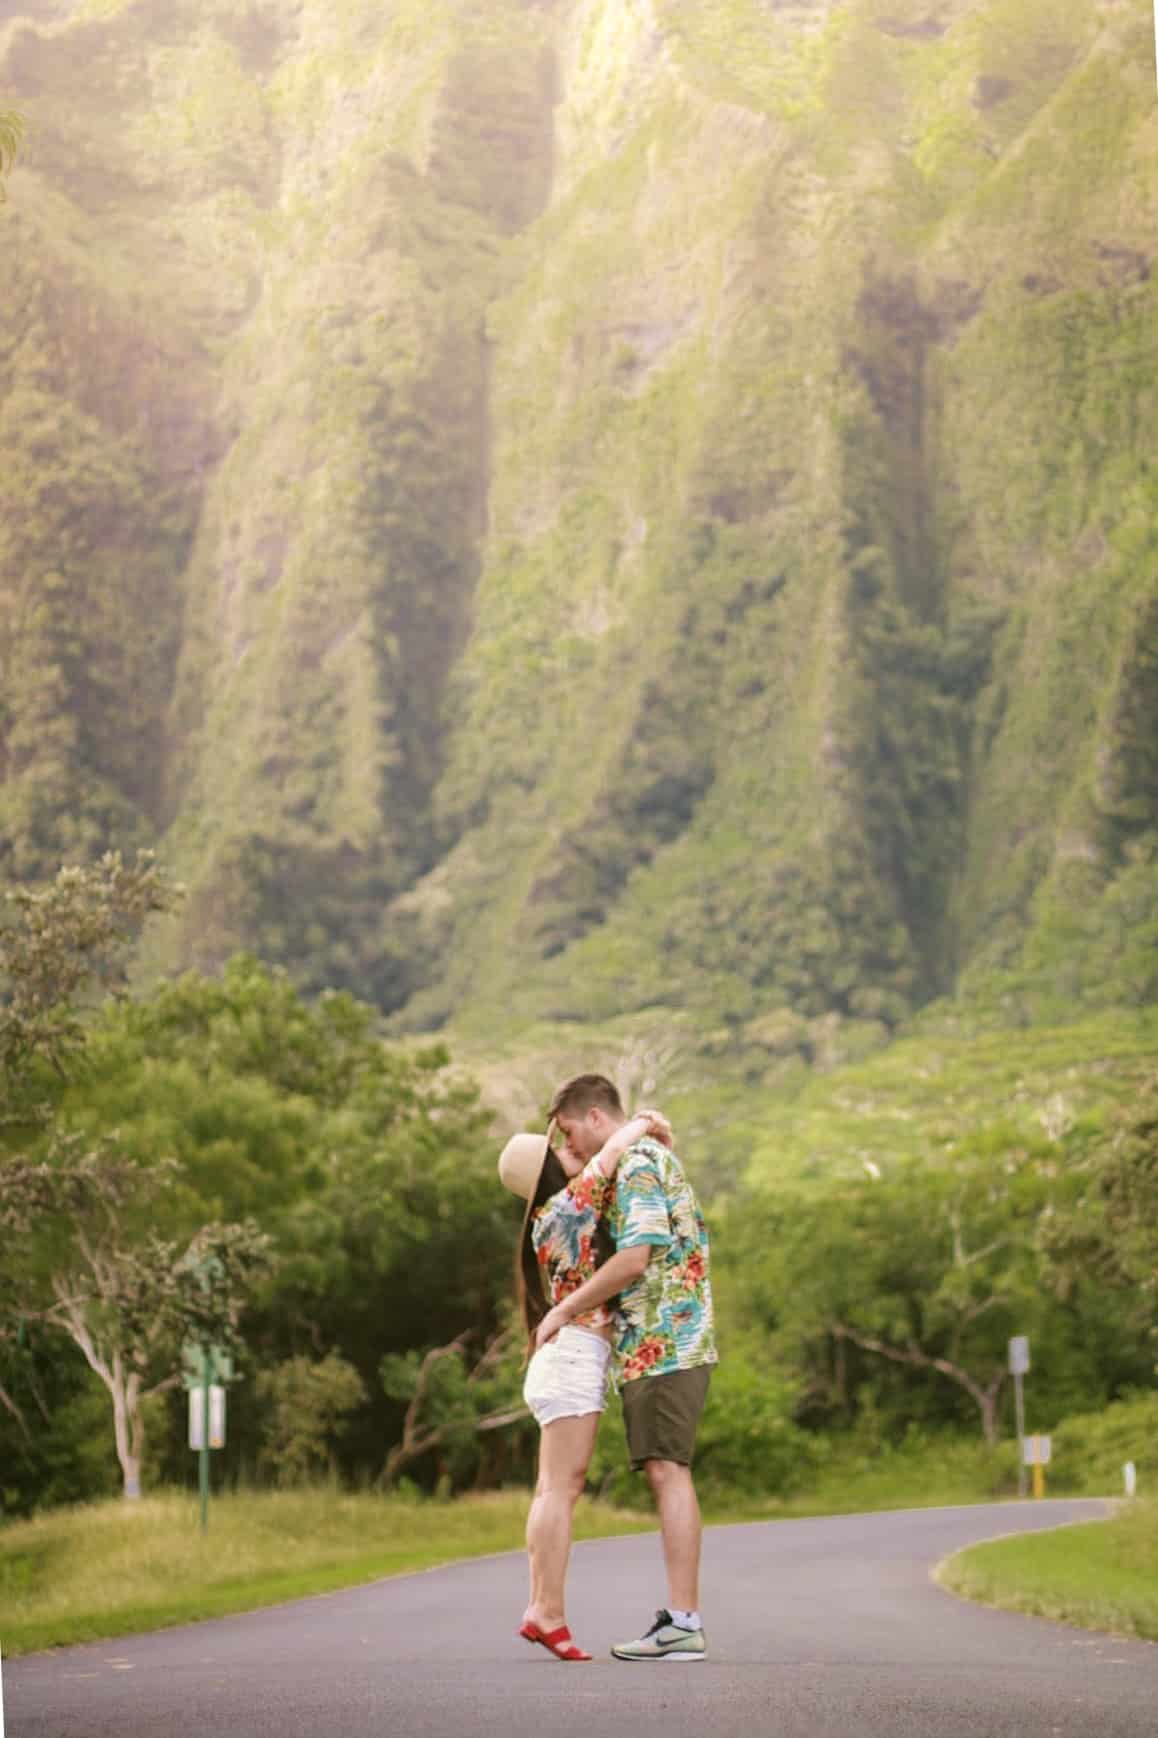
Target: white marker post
1129 1471
1018 1366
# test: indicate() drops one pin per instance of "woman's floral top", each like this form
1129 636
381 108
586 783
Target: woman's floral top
664 1321
563 1235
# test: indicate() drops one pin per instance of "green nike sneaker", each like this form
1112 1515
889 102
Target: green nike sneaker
665 1640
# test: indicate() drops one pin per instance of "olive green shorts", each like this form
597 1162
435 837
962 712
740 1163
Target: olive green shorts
662 1413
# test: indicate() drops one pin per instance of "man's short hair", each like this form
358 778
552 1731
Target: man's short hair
586 1092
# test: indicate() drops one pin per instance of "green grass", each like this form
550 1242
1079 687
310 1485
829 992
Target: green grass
924 1093
1101 1576
110 1568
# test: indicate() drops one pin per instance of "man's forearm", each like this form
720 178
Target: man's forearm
620 1271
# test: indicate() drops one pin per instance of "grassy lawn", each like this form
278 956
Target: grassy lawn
1102 1575
110 1568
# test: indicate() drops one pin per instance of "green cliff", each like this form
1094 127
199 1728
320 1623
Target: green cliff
542 511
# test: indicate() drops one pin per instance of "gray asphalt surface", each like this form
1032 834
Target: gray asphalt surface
825 1628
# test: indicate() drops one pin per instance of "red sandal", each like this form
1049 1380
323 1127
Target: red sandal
559 1641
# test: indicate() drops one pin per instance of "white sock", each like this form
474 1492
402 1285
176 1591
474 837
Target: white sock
686 1619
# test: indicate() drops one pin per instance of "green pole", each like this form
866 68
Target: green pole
203 1458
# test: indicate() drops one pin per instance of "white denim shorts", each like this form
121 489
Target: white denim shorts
567 1378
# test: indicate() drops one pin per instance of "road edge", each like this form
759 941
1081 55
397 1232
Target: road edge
1112 1506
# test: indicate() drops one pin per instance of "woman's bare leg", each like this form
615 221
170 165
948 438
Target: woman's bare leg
565 1449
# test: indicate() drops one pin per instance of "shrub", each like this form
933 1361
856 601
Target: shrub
309 1403
747 1444
1090 1450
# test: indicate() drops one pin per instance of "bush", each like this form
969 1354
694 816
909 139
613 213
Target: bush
1090 1450
309 1406
925 1466
747 1444
747 1441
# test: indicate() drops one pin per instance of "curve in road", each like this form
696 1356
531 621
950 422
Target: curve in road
821 1628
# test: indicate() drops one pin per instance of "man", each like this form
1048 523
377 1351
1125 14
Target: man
664 1341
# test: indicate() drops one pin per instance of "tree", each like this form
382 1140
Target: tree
309 1402
450 1399
124 1296
407 1255
929 1268
370 1166
59 946
1108 1237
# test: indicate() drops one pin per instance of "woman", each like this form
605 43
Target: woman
565 1238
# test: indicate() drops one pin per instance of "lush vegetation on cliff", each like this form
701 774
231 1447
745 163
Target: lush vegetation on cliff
554 510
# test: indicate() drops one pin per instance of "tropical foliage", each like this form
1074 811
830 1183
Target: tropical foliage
900 1288
223 1159
224 1162
84 1259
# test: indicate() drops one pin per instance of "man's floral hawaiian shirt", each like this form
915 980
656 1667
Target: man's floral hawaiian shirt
664 1320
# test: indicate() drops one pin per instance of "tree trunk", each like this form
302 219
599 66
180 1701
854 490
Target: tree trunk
840 1373
10 1405
417 1441
987 1400
128 1427
125 1392
988 1405
984 1398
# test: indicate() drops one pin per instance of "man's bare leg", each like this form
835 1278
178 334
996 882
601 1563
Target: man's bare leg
682 1529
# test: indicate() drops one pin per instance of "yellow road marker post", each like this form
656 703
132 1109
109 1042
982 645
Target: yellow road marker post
1036 1452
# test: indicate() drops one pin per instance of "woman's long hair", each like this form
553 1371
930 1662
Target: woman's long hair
528 1275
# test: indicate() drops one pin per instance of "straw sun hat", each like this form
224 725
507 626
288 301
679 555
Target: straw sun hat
520 1163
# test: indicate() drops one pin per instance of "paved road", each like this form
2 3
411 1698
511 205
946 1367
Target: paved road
817 1628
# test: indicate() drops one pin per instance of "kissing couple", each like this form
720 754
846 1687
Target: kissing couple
613 1281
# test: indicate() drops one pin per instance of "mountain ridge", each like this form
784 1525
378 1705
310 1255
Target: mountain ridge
595 506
